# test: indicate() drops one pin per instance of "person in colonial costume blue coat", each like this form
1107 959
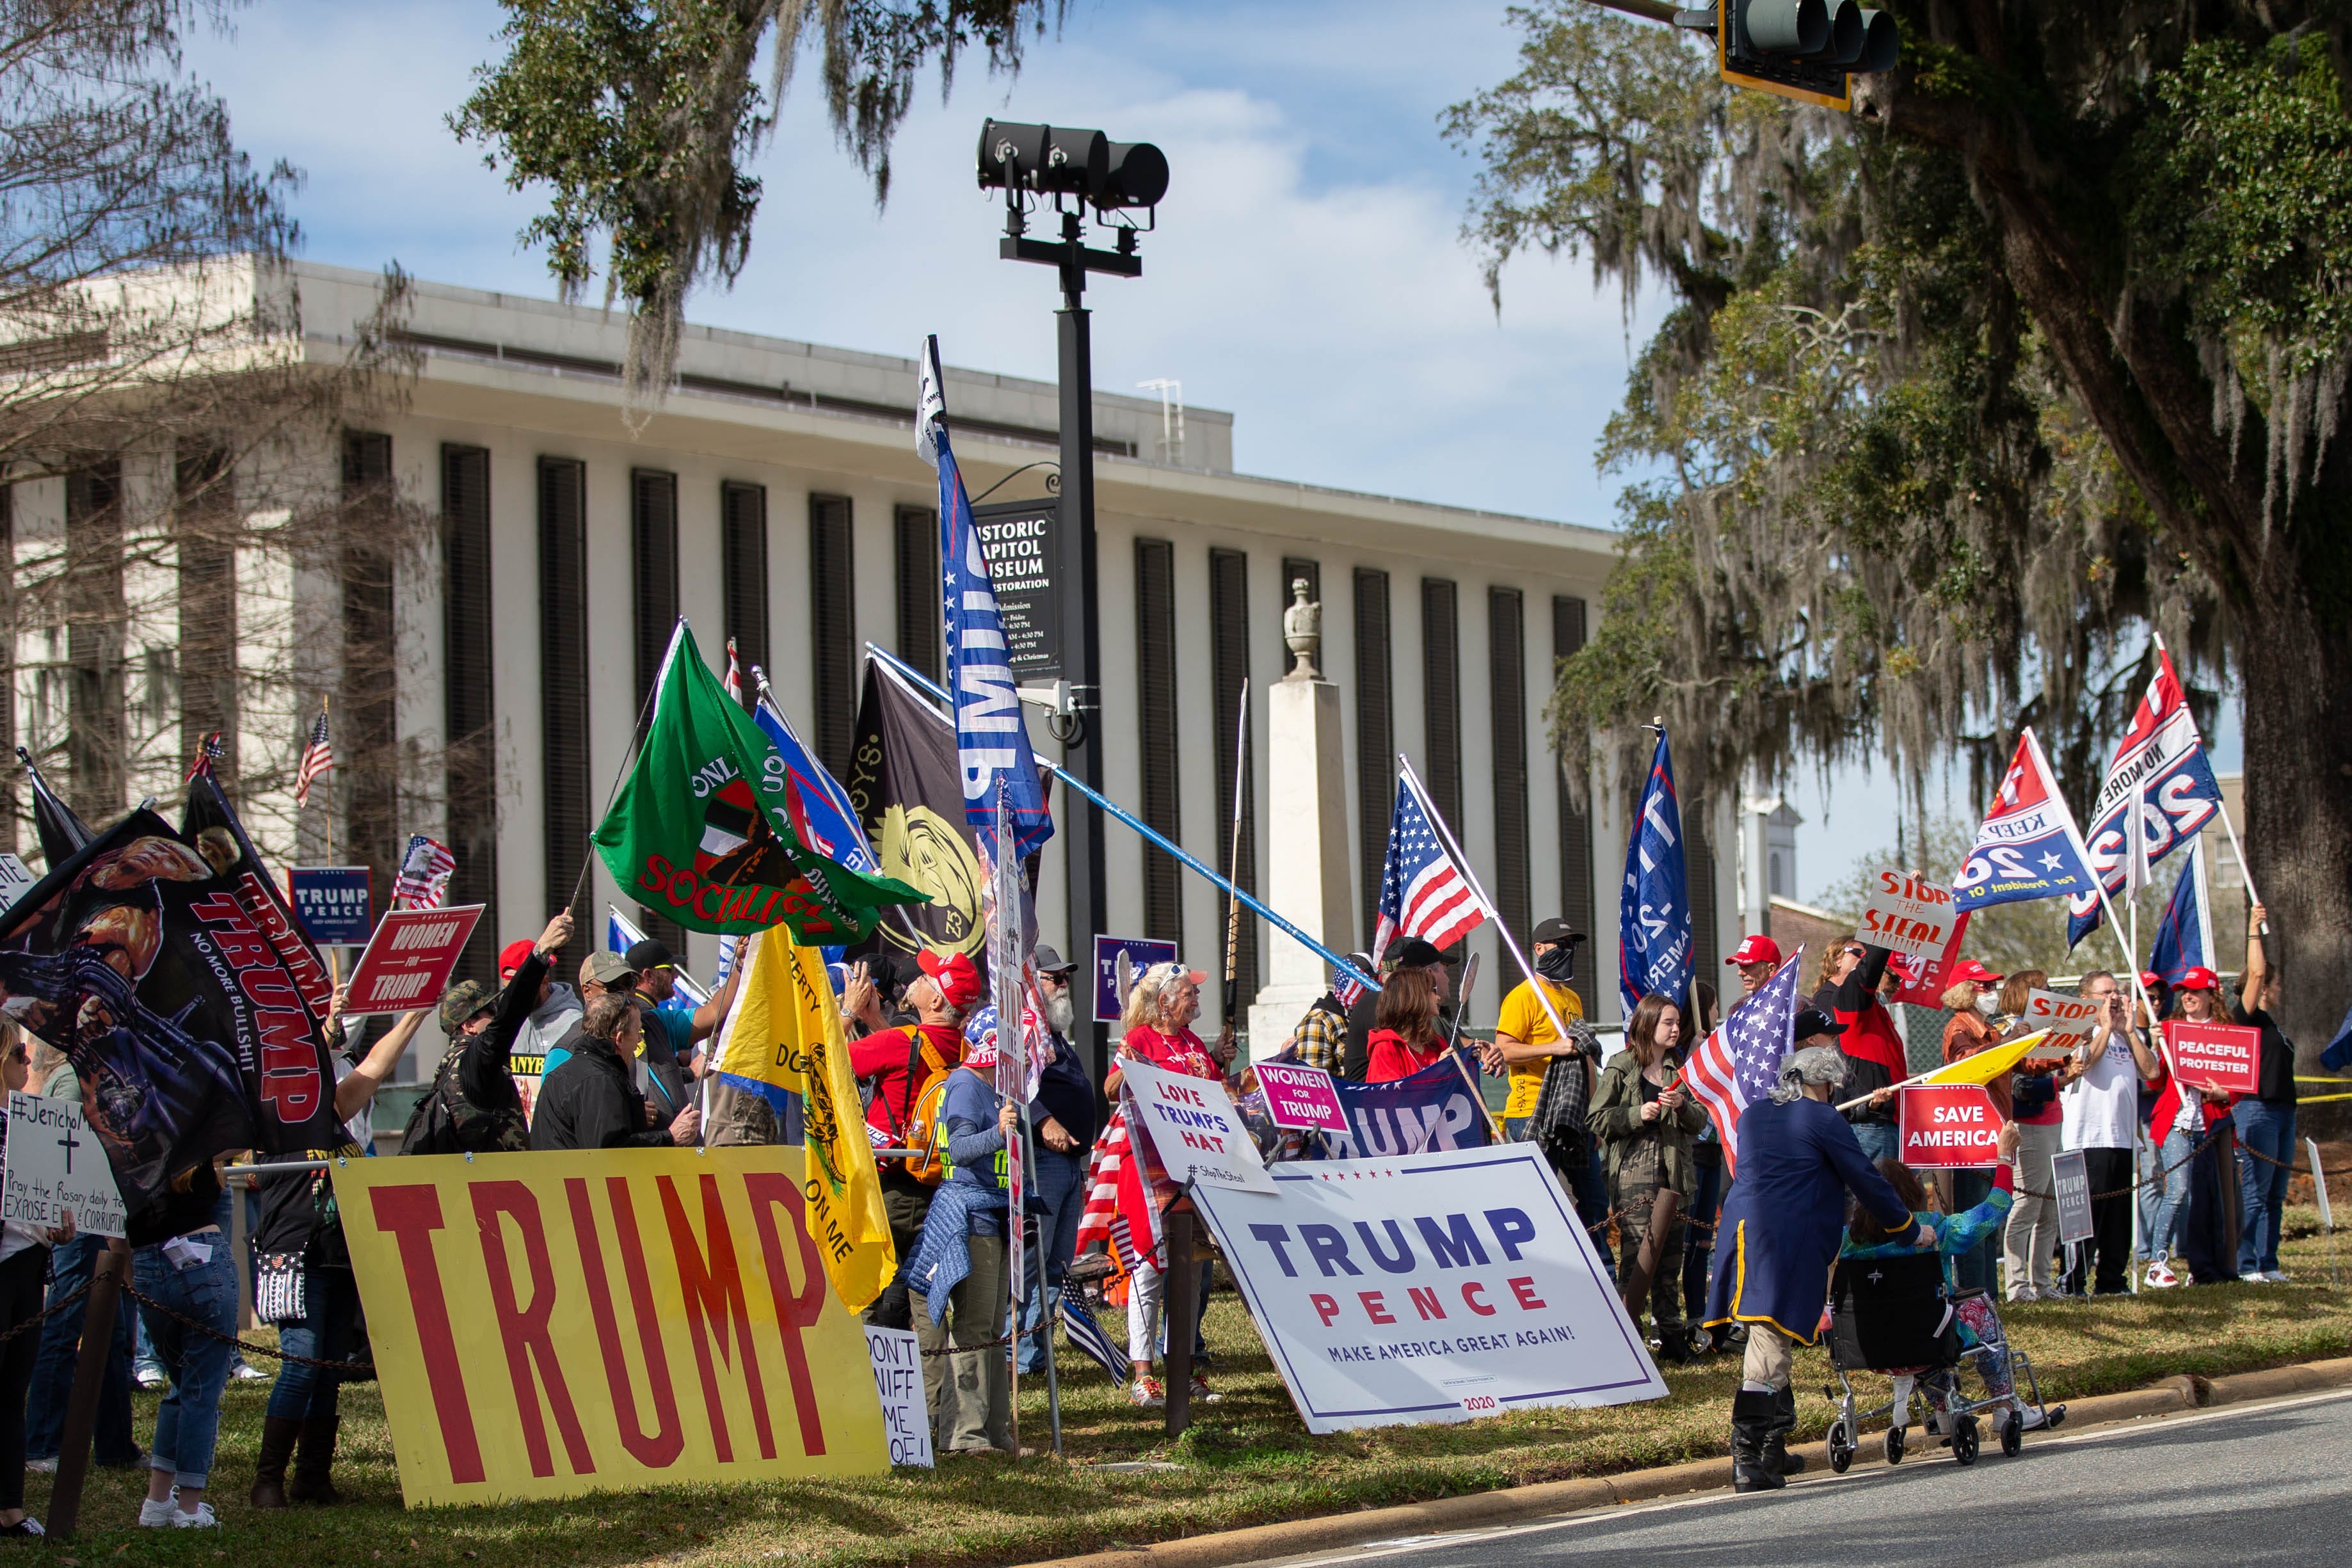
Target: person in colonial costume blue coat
1777 1239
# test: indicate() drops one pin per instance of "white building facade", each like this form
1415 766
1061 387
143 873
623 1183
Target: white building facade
776 497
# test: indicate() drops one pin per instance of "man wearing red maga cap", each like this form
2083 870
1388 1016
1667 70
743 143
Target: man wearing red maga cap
1758 959
899 1065
557 1008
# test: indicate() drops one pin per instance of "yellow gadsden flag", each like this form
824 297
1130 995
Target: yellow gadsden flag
1987 1064
785 1029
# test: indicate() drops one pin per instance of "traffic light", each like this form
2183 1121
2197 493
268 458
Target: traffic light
1055 160
1802 49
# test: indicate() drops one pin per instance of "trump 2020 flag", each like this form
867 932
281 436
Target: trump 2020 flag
2160 790
992 738
814 798
2028 847
2184 938
1654 917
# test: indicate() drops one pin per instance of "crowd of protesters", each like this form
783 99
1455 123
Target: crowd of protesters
623 1063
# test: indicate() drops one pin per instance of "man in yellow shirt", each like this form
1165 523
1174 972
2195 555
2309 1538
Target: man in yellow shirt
1523 1031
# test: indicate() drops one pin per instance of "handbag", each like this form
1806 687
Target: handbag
278 1296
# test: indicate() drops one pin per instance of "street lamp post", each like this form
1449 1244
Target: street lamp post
1077 170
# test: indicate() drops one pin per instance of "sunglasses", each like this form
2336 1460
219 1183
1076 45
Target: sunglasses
20 1056
1856 951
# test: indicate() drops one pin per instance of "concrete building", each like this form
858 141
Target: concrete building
776 497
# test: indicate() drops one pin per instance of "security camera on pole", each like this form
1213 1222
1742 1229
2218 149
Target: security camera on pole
1076 170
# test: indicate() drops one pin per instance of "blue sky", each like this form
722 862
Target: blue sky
1308 274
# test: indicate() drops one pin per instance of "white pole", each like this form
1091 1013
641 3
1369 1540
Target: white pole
2221 807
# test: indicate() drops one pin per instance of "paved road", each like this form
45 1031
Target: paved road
2265 1486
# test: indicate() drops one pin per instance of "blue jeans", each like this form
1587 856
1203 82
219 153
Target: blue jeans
1059 1182
2267 1130
188 1422
53 1368
1879 1140
2161 1213
329 1330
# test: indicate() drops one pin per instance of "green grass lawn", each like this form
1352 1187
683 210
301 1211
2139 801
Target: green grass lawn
1247 1459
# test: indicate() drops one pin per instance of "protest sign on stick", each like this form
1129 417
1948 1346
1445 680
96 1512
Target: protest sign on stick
1907 914
1300 1098
56 1167
1194 1129
2216 1056
408 962
1948 1127
2056 1013
1440 1287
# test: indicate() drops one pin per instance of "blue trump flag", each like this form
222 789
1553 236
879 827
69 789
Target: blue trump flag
992 738
1436 1107
1654 917
814 798
2184 938
2027 846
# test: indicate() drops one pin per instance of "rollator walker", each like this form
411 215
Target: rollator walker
1893 1316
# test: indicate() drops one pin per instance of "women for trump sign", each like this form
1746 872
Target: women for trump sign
1439 1286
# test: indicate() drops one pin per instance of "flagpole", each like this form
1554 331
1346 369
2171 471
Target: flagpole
2222 805
334 954
1233 905
1183 856
1462 863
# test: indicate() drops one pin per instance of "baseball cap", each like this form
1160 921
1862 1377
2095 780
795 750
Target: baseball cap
1415 952
1556 929
2199 978
512 956
959 982
461 1002
1755 948
1812 1021
2149 980
1969 969
1050 961
649 954
605 969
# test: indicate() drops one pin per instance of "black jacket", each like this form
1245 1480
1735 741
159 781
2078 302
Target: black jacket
589 1103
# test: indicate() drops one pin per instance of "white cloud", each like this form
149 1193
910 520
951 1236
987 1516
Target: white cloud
1306 275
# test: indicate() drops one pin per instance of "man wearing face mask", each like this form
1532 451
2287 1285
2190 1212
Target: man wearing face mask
1064 1116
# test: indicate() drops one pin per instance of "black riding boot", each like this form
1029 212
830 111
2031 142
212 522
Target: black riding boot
1776 1457
1752 1414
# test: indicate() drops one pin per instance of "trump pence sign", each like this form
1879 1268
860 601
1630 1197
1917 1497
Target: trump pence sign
1438 1287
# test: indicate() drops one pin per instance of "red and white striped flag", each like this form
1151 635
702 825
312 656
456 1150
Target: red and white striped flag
1119 1204
734 681
317 758
1423 892
424 871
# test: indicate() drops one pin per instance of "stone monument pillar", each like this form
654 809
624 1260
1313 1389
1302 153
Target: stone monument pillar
1306 830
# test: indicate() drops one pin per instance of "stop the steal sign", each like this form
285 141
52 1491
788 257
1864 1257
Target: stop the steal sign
2217 1056
1948 1127
408 962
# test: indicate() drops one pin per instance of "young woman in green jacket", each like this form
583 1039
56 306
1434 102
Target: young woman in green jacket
1645 1120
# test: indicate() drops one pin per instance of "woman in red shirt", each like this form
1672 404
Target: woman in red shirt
1156 1028
1404 1037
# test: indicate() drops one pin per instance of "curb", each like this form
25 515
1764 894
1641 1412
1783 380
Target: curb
1550 1499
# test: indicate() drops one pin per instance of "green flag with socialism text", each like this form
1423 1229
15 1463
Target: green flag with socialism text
702 832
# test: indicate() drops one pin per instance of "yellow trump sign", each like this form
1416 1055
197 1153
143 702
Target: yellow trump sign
551 1324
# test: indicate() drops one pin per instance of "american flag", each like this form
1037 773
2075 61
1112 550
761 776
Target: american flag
734 681
317 758
424 879
1423 892
1116 1197
1739 1064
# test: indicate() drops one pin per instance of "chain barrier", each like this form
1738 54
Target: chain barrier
365 1369
36 1317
